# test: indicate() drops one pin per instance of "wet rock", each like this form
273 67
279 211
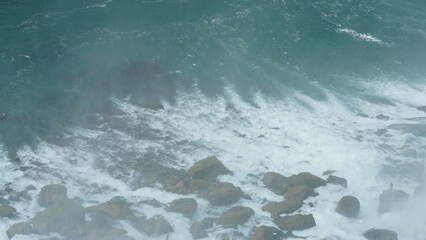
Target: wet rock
276 182
296 222
156 225
415 129
380 132
222 193
52 194
7 211
66 217
422 108
98 221
337 180
382 117
231 235
108 234
391 200
199 229
299 192
23 228
348 206
380 234
116 208
235 216
153 202
196 185
328 172
333 238
288 206
306 178
4 201
267 233
186 206
362 115
208 168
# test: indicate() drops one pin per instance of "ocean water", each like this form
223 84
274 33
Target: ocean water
91 89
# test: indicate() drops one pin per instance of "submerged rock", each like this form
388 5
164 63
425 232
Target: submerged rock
299 192
7 211
288 206
415 129
267 233
235 216
296 222
199 229
116 208
186 206
337 180
208 168
222 193
276 182
348 206
23 228
422 108
391 200
66 217
51 195
380 234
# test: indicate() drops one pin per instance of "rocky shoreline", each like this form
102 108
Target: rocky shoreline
73 221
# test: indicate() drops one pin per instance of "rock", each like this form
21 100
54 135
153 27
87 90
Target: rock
422 108
156 225
222 193
186 206
208 168
382 117
19 228
420 190
300 192
116 208
380 132
348 206
52 194
328 172
199 229
333 238
306 178
288 206
4 201
296 222
7 211
380 234
98 221
108 234
415 129
276 182
392 199
66 217
235 216
267 233
337 180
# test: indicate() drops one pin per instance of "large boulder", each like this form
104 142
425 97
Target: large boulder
116 208
199 229
23 228
348 206
7 211
288 206
392 200
299 192
208 168
295 222
66 217
222 193
52 194
380 234
156 225
276 182
186 206
306 178
235 216
337 180
267 233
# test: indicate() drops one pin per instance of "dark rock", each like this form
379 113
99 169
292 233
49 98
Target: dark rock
235 216
392 199
380 132
415 129
222 193
328 172
19 228
7 211
157 225
288 206
362 115
108 234
422 108
116 208
382 117
186 206
24 168
231 235
333 238
153 202
300 192
4 201
208 168
30 188
52 194
267 233
295 222
306 178
337 180
276 182
98 221
380 234
199 229
66 218
348 206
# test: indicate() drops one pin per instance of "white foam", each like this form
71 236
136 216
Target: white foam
363 36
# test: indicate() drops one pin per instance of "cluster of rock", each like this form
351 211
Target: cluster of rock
68 217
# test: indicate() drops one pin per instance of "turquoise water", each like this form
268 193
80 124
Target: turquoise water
91 88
